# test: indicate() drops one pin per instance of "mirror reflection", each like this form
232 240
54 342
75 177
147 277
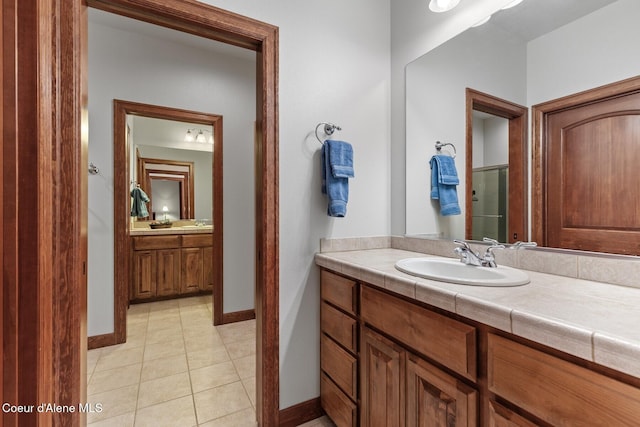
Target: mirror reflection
174 170
535 52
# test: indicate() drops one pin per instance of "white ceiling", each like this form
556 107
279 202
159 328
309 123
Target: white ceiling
533 18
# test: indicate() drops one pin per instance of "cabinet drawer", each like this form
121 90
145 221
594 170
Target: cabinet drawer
556 390
339 326
196 240
340 366
342 411
156 242
339 291
447 341
500 416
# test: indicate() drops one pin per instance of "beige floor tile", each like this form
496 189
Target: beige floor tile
136 329
164 349
119 358
250 387
163 305
319 422
177 412
112 379
244 418
243 348
164 389
204 342
163 367
246 366
220 401
114 402
207 357
164 335
238 331
213 376
124 420
138 309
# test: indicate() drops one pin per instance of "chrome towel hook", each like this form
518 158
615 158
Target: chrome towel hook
439 146
329 129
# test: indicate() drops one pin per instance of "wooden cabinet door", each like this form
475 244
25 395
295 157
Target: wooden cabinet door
207 263
168 272
192 270
382 381
144 274
437 399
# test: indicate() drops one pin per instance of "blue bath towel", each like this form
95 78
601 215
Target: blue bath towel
337 168
139 204
444 179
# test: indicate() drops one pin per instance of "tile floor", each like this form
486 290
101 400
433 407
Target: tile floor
176 369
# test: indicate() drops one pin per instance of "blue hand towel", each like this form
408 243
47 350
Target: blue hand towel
337 168
444 179
139 205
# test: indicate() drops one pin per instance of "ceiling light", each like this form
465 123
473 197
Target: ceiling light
512 4
482 21
200 136
442 5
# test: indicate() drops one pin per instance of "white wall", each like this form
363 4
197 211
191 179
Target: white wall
595 50
132 67
334 66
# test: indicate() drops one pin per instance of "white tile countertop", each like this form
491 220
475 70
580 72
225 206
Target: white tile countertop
596 321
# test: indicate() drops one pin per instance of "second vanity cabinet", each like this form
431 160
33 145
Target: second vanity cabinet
170 265
387 360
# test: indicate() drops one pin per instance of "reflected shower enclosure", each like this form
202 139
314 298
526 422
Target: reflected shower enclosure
490 203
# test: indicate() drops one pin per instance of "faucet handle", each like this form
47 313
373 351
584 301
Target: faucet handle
490 240
520 245
462 243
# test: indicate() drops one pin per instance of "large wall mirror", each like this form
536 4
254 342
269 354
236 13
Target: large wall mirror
535 52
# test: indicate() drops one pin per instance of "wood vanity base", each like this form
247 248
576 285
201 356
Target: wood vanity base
388 360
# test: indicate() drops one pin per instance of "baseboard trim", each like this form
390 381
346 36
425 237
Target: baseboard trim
103 340
301 413
238 316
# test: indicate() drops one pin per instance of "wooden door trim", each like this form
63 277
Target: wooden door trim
518 178
44 117
539 148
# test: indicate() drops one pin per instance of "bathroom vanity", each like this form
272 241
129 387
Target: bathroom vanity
170 263
398 350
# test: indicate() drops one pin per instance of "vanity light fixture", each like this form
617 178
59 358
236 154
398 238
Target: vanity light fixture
512 4
442 5
482 21
200 136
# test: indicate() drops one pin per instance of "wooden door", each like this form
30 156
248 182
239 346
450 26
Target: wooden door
591 179
437 399
192 270
382 381
168 272
144 274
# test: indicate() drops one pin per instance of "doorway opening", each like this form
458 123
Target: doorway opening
515 200
213 23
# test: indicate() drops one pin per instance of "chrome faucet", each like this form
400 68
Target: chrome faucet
469 257
466 254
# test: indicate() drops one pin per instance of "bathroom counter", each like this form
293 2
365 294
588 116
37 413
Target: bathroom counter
146 231
588 319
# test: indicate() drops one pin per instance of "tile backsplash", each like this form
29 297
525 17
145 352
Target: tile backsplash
614 269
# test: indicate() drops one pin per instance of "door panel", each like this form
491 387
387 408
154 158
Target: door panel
592 181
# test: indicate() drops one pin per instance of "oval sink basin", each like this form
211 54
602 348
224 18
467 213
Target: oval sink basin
454 271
